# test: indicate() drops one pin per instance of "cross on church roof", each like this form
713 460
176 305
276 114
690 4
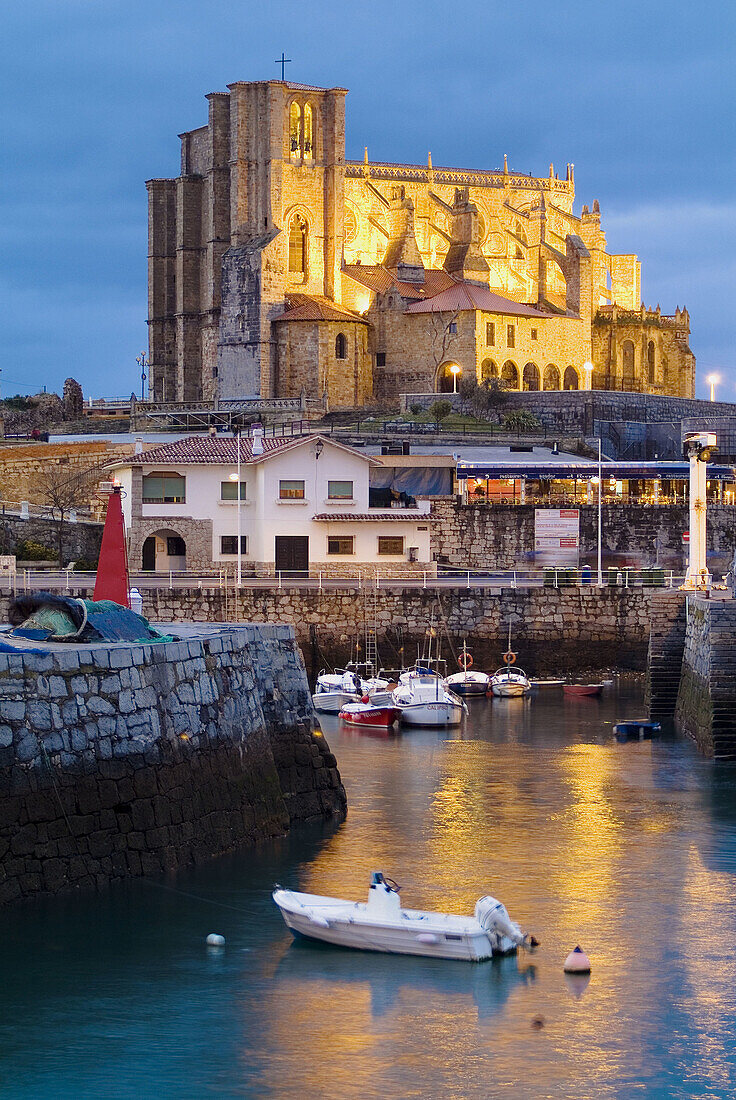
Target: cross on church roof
283 61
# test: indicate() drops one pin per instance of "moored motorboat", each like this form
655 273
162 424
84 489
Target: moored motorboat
424 700
366 713
640 729
508 682
467 682
334 689
380 924
546 683
582 689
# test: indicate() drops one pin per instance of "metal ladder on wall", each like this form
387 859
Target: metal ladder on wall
369 626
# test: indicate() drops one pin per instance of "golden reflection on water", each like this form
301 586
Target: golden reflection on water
581 844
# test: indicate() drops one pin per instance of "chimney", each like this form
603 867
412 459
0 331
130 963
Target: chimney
464 257
402 252
257 437
138 446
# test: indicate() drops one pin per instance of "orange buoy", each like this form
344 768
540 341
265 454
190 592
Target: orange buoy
577 962
465 660
509 657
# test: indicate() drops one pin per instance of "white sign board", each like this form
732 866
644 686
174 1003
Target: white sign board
556 534
7 564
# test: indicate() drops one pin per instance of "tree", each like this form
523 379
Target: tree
440 410
73 400
63 492
521 420
441 336
485 398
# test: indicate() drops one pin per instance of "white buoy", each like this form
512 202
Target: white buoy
577 962
215 940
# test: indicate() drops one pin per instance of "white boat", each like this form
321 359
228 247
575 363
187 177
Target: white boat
546 683
334 689
467 682
424 700
380 924
508 682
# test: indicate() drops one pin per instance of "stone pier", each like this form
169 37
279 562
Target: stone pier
706 699
125 759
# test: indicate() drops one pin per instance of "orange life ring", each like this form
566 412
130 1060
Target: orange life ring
465 660
509 657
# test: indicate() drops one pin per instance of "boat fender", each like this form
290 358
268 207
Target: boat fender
509 657
427 937
577 962
465 660
315 918
365 699
215 940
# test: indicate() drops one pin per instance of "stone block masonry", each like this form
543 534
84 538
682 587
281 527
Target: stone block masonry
706 700
121 760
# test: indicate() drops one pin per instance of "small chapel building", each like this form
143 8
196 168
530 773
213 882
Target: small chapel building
278 269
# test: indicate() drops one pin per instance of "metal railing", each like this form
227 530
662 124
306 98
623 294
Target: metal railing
69 580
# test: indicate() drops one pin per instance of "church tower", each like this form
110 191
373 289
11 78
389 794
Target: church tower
255 214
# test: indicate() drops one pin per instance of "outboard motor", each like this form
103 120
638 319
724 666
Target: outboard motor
497 924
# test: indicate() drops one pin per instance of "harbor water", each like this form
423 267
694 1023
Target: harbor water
627 849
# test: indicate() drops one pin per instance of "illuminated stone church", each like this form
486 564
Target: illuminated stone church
277 269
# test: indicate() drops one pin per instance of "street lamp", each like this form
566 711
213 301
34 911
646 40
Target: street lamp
599 479
588 371
143 363
713 380
454 371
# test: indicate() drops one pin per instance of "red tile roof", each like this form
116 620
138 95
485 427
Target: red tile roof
221 450
380 279
309 307
407 514
470 296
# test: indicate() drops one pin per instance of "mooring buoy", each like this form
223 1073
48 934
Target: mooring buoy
215 940
577 962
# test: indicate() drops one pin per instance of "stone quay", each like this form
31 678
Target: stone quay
134 759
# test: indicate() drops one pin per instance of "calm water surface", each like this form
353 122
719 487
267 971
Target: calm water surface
628 849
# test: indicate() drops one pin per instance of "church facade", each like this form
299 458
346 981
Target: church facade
277 269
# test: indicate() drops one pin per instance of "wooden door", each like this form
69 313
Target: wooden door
292 554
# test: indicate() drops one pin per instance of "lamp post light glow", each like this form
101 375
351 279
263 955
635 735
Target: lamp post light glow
588 370
713 380
454 371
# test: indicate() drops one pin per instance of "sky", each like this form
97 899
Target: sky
639 95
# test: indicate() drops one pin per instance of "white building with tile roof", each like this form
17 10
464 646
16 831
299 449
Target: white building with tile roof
304 508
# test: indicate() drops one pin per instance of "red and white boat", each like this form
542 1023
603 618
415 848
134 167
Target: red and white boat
582 689
367 714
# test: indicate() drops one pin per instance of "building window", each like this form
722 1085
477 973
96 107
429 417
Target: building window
341 346
534 334
295 130
308 131
340 490
490 334
340 544
510 375
452 328
488 370
164 489
291 490
650 362
298 245
390 544
510 336
570 379
229 490
229 544
380 358
175 546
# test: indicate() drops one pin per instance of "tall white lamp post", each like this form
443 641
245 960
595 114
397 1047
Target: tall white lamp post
698 448
600 516
588 374
238 495
713 380
454 370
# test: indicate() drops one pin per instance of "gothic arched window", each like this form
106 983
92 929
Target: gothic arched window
510 375
298 246
531 376
488 370
308 131
551 377
650 361
341 346
295 130
571 380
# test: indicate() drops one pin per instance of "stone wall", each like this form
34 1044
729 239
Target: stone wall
479 536
81 539
121 760
706 700
554 630
666 644
23 469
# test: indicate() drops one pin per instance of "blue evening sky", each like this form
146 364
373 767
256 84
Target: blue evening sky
639 95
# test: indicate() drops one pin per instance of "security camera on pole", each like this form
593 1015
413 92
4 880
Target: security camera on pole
698 448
